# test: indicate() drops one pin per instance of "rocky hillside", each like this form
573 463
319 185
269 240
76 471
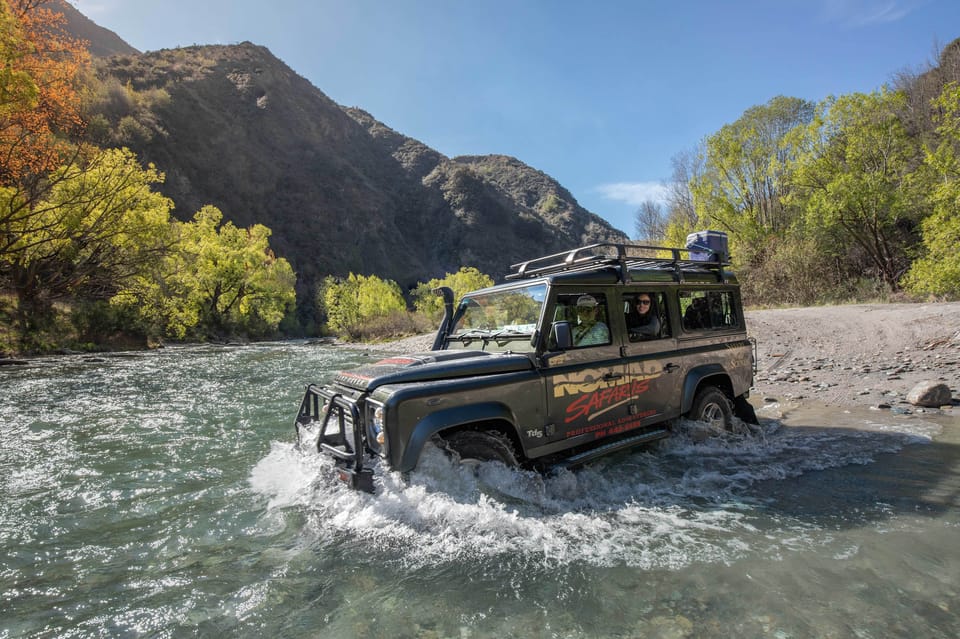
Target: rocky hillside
100 41
341 191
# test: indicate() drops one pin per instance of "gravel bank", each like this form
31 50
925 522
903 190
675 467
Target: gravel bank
861 354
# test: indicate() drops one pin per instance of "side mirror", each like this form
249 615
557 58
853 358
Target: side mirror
561 337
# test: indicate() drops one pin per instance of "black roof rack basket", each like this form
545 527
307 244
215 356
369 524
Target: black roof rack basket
624 256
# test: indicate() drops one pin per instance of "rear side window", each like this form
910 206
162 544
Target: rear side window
707 310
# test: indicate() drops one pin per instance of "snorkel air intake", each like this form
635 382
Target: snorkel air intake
447 293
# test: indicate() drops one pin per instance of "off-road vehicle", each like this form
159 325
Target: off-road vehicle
576 355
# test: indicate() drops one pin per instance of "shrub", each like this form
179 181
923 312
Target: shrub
786 272
938 271
355 302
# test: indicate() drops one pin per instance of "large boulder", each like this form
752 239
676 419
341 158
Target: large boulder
932 394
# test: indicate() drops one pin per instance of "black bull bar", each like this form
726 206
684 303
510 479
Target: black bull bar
345 444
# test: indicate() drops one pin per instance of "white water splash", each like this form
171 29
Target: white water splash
687 500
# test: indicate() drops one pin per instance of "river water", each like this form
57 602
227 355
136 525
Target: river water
160 494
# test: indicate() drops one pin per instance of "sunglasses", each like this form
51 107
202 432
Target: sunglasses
643 302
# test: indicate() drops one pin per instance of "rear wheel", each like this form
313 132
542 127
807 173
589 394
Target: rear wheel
711 406
474 447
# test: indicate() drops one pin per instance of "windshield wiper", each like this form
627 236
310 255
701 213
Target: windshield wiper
500 336
505 335
474 333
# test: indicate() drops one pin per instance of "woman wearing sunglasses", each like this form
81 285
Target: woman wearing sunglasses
642 319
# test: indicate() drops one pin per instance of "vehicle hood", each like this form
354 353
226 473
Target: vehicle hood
432 366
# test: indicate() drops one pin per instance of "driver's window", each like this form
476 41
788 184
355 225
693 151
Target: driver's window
588 316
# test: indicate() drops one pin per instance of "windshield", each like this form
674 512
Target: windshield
504 319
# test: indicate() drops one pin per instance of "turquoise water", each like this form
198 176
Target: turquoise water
160 494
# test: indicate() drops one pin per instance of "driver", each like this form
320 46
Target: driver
589 330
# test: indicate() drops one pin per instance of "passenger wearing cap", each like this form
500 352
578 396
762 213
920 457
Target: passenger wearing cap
589 331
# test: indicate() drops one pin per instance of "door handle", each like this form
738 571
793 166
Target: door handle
669 368
609 376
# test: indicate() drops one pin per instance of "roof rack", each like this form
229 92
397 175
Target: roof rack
625 256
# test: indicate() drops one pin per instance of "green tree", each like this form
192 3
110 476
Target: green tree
856 180
743 183
358 299
221 281
337 302
378 298
937 271
467 279
99 225
236 283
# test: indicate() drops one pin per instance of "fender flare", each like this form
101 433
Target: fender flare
441 420
696 376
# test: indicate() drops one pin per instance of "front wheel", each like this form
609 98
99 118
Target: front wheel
474 447
711 406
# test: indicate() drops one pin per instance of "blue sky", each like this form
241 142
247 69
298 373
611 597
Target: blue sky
599 95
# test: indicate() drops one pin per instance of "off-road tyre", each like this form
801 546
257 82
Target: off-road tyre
474 446
712 406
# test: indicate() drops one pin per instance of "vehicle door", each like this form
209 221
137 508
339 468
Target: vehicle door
652 365
585 383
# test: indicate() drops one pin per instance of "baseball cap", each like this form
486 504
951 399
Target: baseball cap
587 300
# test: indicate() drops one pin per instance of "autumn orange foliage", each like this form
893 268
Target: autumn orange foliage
38 132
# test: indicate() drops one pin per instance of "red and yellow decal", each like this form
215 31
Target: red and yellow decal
595 395
613 426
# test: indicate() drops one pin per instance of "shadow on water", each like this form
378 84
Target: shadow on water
911 466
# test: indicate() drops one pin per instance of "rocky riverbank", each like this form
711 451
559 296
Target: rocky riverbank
860 354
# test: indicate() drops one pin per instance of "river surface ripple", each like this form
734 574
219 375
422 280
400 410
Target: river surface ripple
160 494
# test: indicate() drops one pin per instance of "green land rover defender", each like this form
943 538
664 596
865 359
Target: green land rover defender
576 355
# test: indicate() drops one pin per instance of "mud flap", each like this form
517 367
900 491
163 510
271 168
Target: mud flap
744 410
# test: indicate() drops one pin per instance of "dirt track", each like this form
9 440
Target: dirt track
860 354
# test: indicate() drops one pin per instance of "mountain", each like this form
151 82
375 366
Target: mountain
101 41
235 127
